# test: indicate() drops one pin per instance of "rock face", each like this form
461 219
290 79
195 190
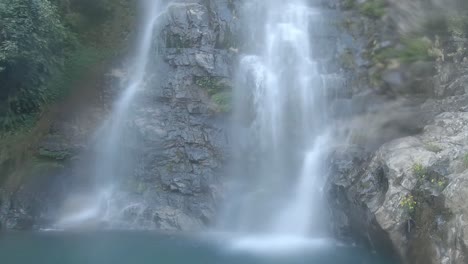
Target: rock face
180 127
406 185
412 188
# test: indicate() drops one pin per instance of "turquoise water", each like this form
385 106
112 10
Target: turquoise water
142 248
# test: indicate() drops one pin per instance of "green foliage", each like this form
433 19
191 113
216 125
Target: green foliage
373 8
465 161
94 10
223 101
219 91
410 50
76 66
419 170
32 42
408 203
46 46
429 178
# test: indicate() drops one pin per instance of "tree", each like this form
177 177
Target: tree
32 42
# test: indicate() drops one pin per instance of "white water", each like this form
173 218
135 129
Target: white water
94 206
282 131
281 126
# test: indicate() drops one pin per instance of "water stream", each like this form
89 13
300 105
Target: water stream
112 161
281 125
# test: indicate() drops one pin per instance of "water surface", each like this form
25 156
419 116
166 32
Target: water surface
142 248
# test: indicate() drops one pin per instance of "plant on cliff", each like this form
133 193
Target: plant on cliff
428 179
419 170
373 8
219 91
465 161
408 204
410 50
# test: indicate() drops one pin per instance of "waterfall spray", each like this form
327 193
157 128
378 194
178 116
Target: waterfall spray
282 130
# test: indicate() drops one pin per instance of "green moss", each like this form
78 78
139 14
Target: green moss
465 161
373 8
219 91
223 101
410 50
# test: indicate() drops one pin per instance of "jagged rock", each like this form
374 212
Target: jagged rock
184 139
430 167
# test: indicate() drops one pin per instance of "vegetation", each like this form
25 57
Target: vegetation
419 170
372 8
219 91
44 46
465 161
410 50
32 42
408 204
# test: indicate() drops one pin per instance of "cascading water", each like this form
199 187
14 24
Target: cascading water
111 161
282 130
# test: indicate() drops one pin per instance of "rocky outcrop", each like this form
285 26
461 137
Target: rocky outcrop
180 125
406 185
412 187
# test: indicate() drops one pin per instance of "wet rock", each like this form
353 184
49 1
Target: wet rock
184 139
428 168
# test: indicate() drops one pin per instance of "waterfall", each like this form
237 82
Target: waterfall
112 161
281 127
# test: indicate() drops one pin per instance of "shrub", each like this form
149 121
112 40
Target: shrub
32 42
408 203
373 8
419 170
410 50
